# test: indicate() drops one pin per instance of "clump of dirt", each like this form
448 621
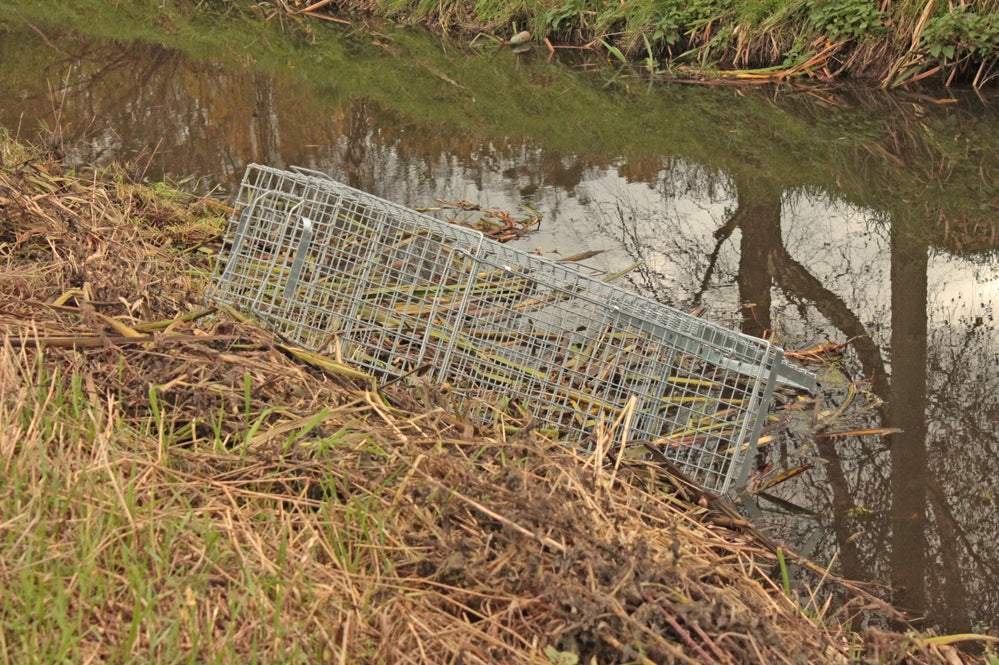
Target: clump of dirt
415 535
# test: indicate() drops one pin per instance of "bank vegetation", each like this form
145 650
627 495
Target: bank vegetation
890 43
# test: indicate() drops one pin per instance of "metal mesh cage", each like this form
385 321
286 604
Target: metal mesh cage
390 289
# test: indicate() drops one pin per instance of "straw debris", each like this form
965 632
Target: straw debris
180 484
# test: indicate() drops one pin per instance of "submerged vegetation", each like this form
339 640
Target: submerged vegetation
179 486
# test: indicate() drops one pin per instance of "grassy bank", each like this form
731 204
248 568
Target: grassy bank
177 486
888 43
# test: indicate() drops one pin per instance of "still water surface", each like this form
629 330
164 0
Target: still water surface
860 216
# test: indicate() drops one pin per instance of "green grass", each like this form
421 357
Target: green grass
105 551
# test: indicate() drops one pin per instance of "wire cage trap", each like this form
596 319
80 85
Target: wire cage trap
513 334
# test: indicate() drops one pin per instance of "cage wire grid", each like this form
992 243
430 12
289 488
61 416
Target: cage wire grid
514 335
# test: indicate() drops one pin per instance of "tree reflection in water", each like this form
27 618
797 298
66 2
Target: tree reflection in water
913 509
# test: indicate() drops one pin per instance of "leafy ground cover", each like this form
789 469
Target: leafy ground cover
179 486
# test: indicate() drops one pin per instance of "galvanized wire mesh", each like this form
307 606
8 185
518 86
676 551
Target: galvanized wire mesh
514 335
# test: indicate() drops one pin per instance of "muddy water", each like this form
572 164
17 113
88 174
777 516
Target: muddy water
828 217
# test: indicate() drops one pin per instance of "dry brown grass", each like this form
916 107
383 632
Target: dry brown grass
180 487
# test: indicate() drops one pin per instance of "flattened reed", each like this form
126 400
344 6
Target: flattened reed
177 486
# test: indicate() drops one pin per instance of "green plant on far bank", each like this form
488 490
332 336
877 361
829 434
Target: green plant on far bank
889 43
847 19
873 39
963 39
